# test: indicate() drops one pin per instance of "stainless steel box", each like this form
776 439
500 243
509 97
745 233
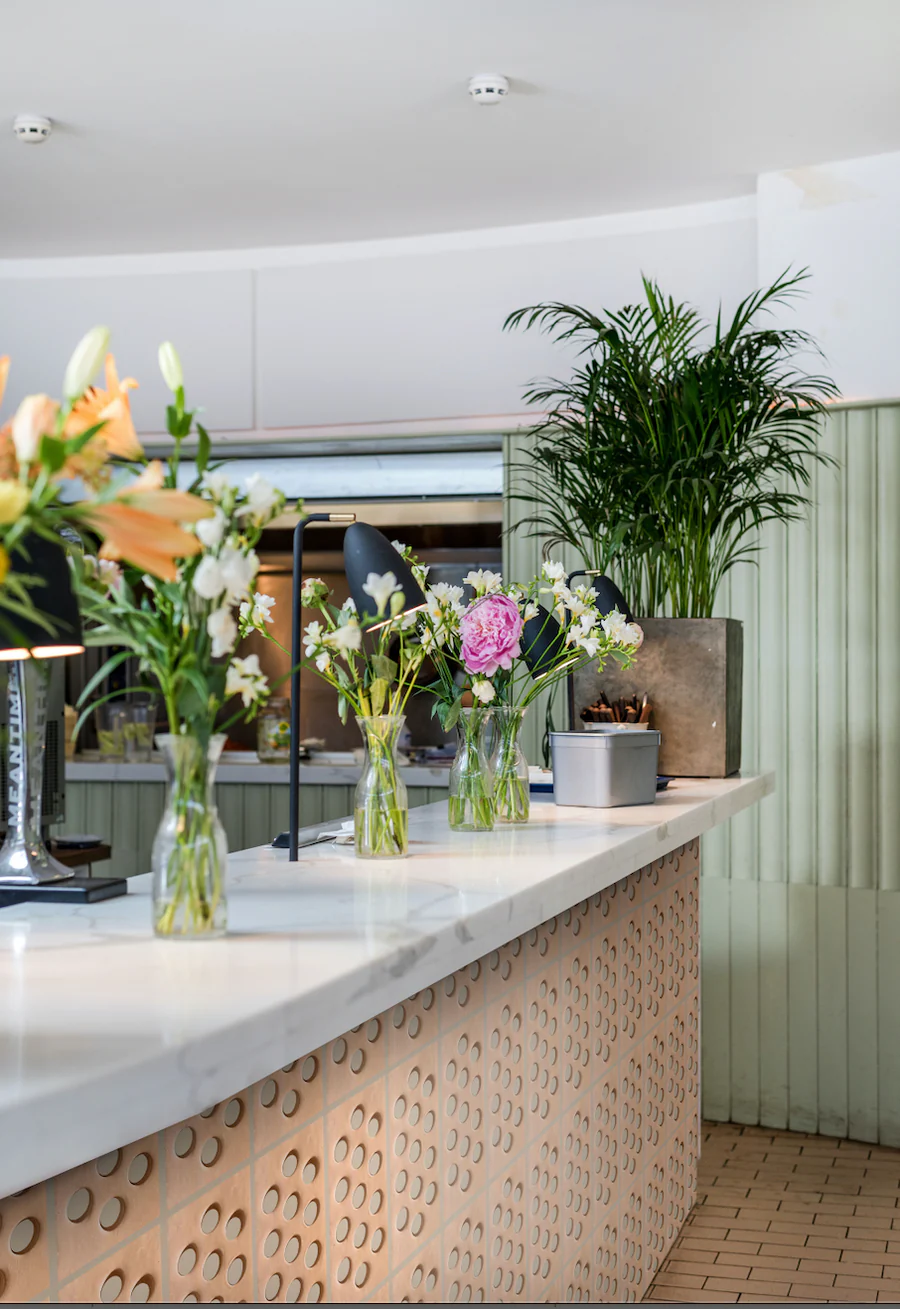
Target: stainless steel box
604 769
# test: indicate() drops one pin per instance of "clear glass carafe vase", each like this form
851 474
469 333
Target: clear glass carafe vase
381 808
510 768
470 805
190 851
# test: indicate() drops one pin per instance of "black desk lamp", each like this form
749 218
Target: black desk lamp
366 550
609 597
25 860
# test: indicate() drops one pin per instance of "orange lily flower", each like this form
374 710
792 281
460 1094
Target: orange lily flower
112 408
142 524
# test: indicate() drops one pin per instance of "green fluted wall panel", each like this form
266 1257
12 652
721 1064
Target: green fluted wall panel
811 960
801 895
127 814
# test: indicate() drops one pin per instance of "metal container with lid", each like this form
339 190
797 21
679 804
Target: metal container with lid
604 768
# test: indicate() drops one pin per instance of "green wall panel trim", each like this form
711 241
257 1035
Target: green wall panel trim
744 993
888 1018
862 1014
127 814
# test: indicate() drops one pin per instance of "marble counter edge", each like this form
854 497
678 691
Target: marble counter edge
175 1082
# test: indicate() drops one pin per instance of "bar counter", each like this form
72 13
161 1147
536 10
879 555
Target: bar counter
471 1074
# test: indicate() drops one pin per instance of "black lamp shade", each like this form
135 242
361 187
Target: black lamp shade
609 597
543 639
53 598
366 550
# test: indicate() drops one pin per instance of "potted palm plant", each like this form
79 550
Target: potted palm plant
672 442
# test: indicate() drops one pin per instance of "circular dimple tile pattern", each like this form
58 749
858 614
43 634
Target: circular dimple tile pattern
111 1288
139 1169
23 1236
108 1163
605 981
79 1205
184 1142
506 1079
576 1025
542 1046
111 1214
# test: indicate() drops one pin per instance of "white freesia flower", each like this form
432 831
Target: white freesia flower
246 679
553 571
531 611
217 485
312 591
209 580
381 587
443 595
86 359
210 531
633 635
258 612
223 629
483 581
349 606
239 571
262 498
323 661
400 547
348 637
614 625
483 690
110 574
313 636
590 644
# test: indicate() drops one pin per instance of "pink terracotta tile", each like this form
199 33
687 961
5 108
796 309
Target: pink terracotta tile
290 1224
133 1272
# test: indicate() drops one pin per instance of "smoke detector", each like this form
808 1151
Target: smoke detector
32 129
488 89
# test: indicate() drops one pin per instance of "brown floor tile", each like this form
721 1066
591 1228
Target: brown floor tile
788 1217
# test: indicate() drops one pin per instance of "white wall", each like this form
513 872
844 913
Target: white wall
843 220
404 333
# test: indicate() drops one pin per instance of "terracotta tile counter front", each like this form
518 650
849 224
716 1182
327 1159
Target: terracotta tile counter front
469 1075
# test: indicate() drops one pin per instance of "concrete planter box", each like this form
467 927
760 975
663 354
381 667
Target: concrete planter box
693 670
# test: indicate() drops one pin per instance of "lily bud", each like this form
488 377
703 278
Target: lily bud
170 366
34 418
86 359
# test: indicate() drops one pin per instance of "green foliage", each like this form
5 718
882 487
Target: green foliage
672 440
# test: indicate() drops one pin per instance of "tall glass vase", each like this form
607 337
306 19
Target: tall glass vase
510 768
190 852
381 808
470 806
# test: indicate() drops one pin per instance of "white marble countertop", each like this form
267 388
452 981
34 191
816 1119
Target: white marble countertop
315 773
108 1034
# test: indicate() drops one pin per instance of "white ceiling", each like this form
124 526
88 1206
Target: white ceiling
203 124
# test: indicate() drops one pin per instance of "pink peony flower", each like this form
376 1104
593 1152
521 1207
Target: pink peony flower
491 629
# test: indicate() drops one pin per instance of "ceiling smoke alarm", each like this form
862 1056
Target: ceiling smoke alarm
488 89
32 129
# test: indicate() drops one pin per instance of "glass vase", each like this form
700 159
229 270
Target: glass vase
190 852
381 808
470 805
510 768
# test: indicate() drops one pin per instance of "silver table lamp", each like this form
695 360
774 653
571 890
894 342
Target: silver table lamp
24 857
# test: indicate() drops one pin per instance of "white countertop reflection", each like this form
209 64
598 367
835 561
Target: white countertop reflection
108 1034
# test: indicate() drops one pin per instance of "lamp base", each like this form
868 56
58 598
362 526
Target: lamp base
30 864
77 890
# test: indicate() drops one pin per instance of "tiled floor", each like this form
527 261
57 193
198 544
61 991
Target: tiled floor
782 1216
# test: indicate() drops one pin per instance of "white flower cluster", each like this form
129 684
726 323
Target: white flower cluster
226 571
345 639
246 679
483 582
419 571
445 608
